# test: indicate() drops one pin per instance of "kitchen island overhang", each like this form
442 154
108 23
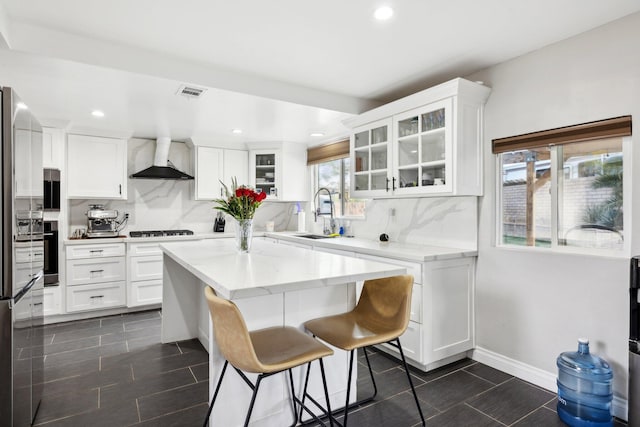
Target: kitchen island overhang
272 285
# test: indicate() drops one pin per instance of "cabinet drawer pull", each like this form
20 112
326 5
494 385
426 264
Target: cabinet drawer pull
37 303
96 296
38 253
96 271
96 251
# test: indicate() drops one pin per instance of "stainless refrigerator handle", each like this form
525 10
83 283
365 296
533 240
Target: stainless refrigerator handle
27 287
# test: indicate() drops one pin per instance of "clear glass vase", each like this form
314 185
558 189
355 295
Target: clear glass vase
244 234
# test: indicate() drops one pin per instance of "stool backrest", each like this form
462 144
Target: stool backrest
386 303
232 335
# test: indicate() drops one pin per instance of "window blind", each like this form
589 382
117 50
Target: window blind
327 152
609 128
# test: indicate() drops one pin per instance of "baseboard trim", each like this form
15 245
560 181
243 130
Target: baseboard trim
539 377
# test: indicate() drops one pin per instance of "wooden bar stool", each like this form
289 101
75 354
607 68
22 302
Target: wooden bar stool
381 316
264 352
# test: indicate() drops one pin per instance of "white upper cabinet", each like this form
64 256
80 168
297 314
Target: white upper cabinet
216 164
429 143
52 148
280 171
96 167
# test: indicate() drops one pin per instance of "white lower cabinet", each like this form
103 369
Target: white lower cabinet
95 277
52 300
144 273
441 327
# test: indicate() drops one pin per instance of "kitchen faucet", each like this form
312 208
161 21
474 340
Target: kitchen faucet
316 212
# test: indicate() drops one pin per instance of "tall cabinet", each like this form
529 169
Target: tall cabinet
428 143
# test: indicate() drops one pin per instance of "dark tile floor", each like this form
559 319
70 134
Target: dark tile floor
113 371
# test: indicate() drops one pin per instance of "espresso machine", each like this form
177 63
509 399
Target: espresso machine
103 222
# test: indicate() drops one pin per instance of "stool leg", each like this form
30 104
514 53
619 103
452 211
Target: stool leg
215 394
326 392
413 390
346 404
373 380
253 400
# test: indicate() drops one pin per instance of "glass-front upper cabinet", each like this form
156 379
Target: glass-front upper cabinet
265 172
422 157
371 159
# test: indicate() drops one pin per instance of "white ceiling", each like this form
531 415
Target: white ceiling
278 70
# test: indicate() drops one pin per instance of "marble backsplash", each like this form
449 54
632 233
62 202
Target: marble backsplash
167 204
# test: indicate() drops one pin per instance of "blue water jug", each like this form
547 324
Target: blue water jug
584 388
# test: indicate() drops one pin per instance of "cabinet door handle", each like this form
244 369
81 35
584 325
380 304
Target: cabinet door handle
96 271
387 185
275 190
120 189
221 194
393 184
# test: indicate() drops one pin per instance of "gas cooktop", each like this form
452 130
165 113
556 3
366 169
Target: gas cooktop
160 233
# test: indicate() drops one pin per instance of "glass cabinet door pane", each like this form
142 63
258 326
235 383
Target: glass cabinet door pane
265 159
408 151
408 177
379 135
408 127
379 181
379 157
433 176
362 139
362 160
433 147
433 120
362 182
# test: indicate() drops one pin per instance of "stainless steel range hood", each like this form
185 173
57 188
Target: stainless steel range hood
162 167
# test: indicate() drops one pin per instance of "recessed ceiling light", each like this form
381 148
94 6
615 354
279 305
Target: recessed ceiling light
317 134
21 106
383 13
236 131
97 113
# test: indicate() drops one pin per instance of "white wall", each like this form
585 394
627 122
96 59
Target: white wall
168 204
533 304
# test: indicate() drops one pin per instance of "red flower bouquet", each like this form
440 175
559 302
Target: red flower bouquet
241 202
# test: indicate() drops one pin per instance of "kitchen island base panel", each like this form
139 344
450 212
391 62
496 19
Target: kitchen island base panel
185 315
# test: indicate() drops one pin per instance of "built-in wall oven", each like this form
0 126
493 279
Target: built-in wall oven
51 253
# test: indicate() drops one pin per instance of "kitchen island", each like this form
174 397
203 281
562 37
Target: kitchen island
273 285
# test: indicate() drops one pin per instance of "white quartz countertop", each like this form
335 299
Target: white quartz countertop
270 267
404 251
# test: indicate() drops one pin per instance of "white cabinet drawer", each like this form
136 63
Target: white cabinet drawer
411 342
142 249
145 292
145 268
84 271
34 254
93 297
413 268
100 250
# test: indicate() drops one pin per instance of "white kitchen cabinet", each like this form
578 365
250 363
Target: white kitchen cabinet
426 144
216 164
96 167
144 274
52 148
52 300
280 172
95 276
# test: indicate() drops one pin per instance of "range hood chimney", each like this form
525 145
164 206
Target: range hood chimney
162 167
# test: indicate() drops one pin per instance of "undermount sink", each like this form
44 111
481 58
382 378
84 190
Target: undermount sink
315 236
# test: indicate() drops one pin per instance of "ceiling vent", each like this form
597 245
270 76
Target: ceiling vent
191 91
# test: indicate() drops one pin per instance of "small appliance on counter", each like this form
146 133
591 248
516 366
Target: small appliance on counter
218 224
103 222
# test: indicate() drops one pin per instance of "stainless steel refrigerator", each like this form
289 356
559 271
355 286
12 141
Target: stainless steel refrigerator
21 251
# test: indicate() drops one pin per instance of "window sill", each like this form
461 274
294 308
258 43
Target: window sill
577 251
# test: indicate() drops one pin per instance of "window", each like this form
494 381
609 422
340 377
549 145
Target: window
334 175
566 194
